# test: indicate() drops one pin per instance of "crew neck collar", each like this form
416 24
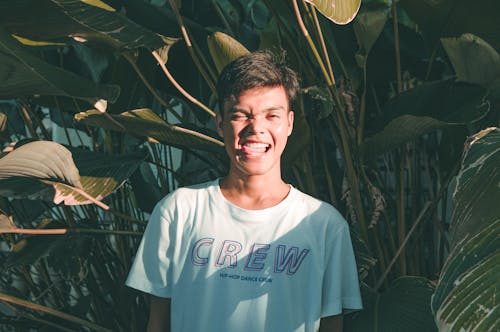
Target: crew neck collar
253 216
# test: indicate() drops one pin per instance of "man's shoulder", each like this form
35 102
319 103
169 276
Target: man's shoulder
190 190
318 209
187 196
313 202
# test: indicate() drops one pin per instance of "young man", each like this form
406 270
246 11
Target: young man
248 252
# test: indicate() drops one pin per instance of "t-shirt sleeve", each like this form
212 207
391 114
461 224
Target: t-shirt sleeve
150 270
340 283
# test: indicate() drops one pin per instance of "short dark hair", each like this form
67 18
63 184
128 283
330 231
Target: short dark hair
256 69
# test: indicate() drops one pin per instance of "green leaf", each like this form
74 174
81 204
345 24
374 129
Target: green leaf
475 200
55 19
100 174
22 170
25 74
423 109
451 18
146 125
338 11
474 60
399 131
224 49
469 282
402 307
468 285
368 25
49 171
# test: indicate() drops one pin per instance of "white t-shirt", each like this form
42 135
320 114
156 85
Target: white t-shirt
231 269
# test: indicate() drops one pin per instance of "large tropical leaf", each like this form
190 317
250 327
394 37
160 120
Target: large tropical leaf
368 25
338 11
100 174
147 125
23 170
224 49
405 306
49 171
452 18
423 109
92 21
465 299
23 73
475 200
473 59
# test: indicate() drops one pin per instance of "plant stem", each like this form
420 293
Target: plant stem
178 87
417 222
149 87
161 174
401 204
190 45
322 41
60 231
53 312
27 120
303 28
362 110
396 45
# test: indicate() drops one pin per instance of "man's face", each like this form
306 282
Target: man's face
255 129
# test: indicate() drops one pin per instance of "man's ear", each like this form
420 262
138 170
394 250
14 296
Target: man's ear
291 116
218 123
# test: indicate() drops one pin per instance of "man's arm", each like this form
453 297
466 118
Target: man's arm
159 314
331 324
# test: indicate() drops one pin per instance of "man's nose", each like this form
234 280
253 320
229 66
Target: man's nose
256 125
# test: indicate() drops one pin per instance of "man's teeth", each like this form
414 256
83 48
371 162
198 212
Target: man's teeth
255 147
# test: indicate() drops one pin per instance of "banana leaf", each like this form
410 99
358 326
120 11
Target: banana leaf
86 21
49 171
147 125
425 108
465 299
473 59
25 74
338 11
224 49
451 18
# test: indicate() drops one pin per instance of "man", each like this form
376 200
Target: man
248 252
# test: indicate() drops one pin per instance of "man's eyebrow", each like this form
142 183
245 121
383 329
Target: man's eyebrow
274 108
268 109
236 109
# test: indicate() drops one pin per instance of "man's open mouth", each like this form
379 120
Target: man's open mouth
255 148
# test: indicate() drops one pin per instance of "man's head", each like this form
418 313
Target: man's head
256 69
255 95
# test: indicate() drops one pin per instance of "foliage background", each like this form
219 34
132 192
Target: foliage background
106 106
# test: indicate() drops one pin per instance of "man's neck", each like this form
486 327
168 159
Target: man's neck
254 192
